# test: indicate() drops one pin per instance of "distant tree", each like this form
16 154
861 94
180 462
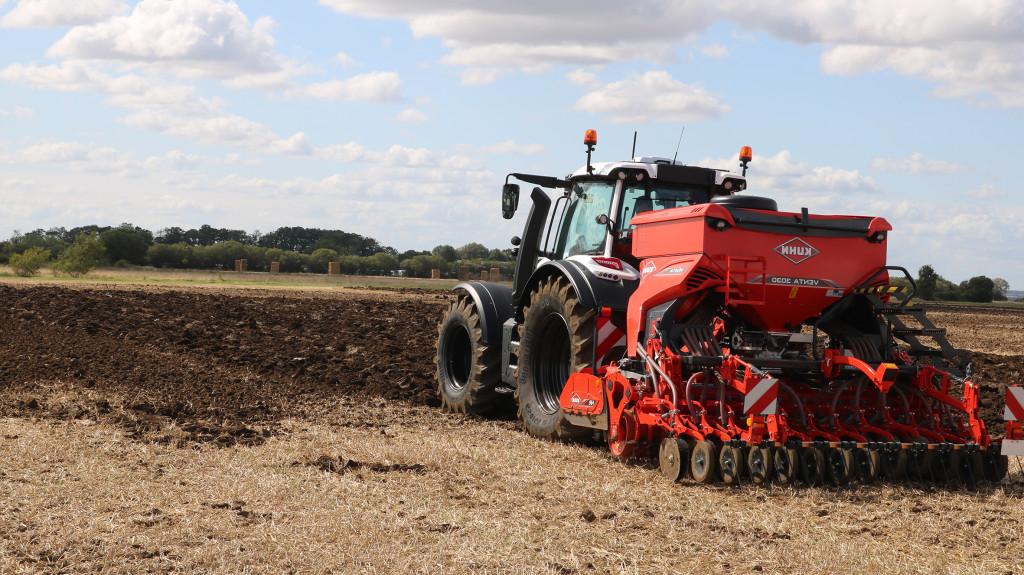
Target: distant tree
497 255
421 265
28 263
1002 287
319 259
926 282
221 254
177 255
445 251
382 263
472 251
52 240
173 235
71 235
126 243
81 257
978 289
411 253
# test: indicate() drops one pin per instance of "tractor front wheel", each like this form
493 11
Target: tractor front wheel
467 368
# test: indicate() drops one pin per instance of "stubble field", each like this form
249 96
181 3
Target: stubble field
147 429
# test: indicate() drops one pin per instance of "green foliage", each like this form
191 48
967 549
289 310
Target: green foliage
1001 288
420 266
128 243
446 252
28 263
297 249
170 256
205 235
932 286
222 255
473 251
80 257
52 240
978 289
307 240
319 259
498 255
926 282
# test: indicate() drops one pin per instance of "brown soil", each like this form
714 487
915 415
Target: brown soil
225 366
195 366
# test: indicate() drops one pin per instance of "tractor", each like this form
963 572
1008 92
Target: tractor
659 309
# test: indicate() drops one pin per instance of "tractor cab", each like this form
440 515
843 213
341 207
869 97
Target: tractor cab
593 216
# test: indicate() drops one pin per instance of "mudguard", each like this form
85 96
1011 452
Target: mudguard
592 291
494 304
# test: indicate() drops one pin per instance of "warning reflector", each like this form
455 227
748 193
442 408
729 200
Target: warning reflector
1014 404
763 399
1013 447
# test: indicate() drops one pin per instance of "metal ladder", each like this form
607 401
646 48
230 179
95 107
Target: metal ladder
898 308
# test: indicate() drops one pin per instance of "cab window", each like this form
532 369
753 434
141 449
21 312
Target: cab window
637 200
580 233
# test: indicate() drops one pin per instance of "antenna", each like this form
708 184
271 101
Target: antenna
633 155
681 132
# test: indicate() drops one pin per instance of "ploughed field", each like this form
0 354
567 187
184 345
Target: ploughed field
159 430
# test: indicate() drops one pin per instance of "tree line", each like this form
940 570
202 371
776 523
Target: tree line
983 289
296 249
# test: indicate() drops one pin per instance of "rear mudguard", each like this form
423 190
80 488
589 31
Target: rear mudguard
592 291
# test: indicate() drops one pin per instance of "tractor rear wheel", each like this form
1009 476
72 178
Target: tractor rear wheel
468 370
555 340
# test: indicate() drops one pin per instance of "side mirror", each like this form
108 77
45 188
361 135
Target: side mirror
509 200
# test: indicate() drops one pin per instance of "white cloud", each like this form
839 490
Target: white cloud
344 60
47 13
513 148
585 78
652 96
716 51
987 192
20 112
213 37
916 163
797 184
490 38
966 47
412 115
369 87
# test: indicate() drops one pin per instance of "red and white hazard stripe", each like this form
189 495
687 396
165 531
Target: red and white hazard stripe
608 337
1014 410
763 399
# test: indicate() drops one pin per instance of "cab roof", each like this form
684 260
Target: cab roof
652 165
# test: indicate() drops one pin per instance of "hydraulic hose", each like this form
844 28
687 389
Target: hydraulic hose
657 368
796 401
689 395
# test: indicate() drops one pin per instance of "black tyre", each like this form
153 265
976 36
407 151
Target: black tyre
468 370
555 340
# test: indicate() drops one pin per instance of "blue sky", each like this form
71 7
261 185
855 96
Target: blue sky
398 119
